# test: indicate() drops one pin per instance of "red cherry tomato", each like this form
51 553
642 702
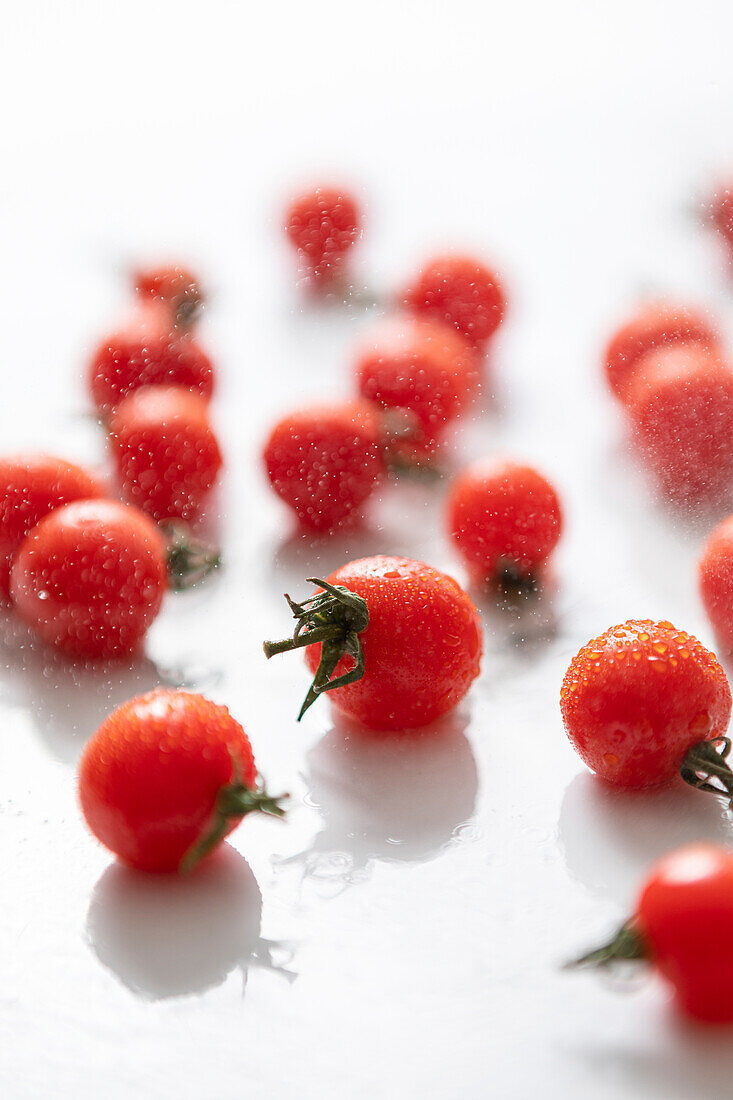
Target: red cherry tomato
421 366
716 582
325 462
165 451
459 291
658 325
167 776
323 225
505 518
685 917
637 699
682 926
174 287
90 578
147 354
421 648
681 415
30 487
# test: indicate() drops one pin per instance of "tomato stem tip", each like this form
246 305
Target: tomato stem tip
334 617
626 946
706 762
233 802
189 560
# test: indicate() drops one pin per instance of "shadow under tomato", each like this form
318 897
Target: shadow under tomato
610 837
391 797
524 617
167 936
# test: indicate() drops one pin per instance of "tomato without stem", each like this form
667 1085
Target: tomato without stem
323 225
461 292
31 486
147 354
716 581
166 777
681 414
325 462
682 926
657 325
504 518
395 642
166 453
90 577
644 702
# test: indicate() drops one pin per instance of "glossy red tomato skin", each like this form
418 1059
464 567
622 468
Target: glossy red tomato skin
90 578
323 224
147 353
150 775
680 390
637 698
503 514
422 366
422 647
462 292
326 461
655 326
715 572
31 486
685 915
165 451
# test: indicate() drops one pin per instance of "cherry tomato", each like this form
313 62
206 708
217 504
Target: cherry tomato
166 777
682 927
681 415
147 354
174 287
420 366
461 292
716 582
165 451
720 211
402 642
30 487
504 518
90 577
657 325
323 225
326 461
637 700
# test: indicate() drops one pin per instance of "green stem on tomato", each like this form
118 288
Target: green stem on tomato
707 761
627 945
334 617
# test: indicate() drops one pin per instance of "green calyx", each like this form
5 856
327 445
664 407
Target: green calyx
189 560
626 946
233 802
706 767
334 617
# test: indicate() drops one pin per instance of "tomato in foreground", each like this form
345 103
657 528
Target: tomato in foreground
323 225
395 642
505 519
165 451
90 578
31 486
682 926
644 702
166 777
326 461
462 292
715 573
657 325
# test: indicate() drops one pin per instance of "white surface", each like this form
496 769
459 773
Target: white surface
417 904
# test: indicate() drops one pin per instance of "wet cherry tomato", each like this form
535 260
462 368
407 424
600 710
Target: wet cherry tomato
461 292
323 225
166 777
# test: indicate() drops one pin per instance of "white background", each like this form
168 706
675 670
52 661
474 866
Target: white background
416 906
